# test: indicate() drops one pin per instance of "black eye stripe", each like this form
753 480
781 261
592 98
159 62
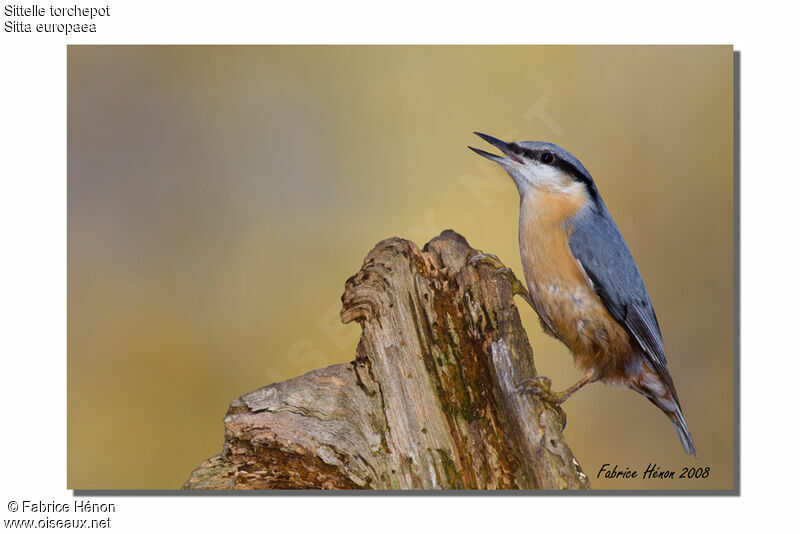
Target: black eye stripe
557 162
545 156
522 151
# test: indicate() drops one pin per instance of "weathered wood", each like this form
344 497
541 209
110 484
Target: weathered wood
430 400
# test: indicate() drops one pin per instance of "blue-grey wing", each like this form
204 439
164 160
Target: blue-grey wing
597 244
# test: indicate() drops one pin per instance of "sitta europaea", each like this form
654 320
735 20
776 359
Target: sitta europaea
582 280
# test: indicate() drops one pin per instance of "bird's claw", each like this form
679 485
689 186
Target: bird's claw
517 287
541 387
488 259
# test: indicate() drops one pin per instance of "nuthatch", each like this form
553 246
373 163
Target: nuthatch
582 280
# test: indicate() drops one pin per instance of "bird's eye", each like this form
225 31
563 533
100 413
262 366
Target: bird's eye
546 157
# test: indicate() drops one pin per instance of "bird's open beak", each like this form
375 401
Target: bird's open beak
502 145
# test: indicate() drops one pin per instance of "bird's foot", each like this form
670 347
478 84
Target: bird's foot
517 287
541 387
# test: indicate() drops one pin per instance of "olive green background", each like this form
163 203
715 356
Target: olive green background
219 197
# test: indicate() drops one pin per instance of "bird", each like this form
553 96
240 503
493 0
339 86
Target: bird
582 280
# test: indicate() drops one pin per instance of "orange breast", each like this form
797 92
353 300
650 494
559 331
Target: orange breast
561 292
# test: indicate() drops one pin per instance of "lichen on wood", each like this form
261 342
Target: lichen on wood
431 400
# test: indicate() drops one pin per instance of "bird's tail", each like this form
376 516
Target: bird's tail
683 431
662 394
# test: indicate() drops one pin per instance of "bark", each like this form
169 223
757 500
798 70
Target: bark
430 401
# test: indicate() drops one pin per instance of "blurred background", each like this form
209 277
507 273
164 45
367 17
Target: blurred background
219 197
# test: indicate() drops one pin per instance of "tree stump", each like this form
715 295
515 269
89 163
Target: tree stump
431 400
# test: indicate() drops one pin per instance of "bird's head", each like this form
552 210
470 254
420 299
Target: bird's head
540 166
